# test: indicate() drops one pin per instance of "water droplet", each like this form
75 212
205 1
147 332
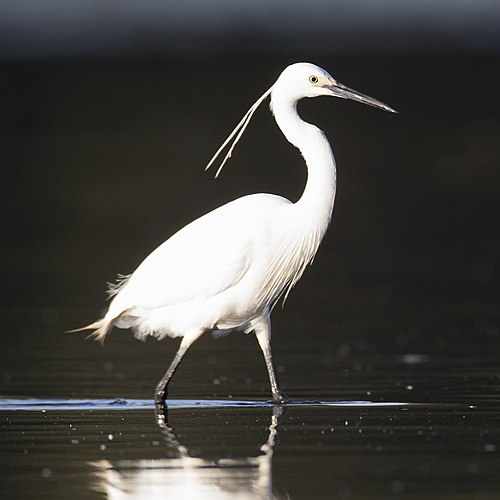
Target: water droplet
46 472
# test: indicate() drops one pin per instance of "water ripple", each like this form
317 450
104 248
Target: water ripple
146 404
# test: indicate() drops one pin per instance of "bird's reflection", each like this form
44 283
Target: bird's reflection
188 477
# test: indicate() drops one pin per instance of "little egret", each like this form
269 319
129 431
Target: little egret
188 285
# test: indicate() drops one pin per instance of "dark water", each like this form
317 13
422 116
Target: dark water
345 451
397 321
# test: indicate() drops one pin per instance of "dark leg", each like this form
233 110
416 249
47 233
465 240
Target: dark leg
161 388
262 328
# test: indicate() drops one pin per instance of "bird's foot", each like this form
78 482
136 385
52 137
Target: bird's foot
161 416
161 407
160 400
280 398
160 394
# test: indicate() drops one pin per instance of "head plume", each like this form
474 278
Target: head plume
237 133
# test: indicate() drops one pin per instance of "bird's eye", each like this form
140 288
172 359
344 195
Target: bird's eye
313 79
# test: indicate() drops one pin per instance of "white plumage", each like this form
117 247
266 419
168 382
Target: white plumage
226 270
223 282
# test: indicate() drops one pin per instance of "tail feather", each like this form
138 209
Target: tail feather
101 327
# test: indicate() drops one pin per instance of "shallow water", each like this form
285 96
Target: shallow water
388 346
369 420
218 450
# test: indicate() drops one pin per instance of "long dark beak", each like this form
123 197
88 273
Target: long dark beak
339 90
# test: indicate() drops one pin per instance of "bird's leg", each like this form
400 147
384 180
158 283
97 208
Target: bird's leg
262 328
161 388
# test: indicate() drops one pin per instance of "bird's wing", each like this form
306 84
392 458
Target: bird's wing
203 259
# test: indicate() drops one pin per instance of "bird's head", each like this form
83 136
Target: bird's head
308 80
297 81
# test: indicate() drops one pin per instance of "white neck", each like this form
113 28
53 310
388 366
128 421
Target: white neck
316 203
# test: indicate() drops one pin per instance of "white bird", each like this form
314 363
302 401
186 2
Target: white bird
226 270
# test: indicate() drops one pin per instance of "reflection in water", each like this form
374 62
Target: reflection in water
188 477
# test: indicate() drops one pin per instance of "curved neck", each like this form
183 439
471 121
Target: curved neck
318 197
